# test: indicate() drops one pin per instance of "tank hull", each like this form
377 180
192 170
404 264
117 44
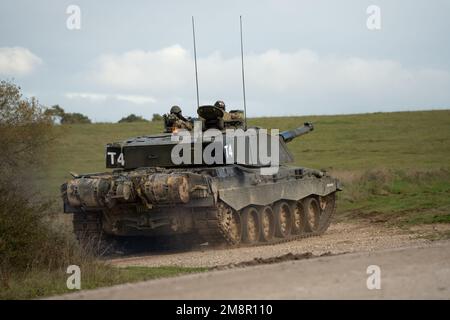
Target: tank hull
230 204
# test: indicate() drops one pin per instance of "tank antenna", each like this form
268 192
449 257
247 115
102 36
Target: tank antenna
195 62
243 76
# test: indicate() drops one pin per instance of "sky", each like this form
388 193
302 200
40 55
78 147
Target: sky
301 57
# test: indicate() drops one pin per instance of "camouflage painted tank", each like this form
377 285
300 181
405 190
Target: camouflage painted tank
148 194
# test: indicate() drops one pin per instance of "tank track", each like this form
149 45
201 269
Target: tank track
213 229
87 227
88 230
212 225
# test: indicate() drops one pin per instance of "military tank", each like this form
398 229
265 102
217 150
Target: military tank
148 194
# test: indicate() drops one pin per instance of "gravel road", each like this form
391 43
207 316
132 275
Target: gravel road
406 273
340 238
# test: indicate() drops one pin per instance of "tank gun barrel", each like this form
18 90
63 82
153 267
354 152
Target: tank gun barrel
290 135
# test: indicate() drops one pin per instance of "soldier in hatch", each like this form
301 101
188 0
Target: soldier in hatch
176 110
221 105
175 120
233 115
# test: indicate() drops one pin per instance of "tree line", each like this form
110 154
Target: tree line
59 115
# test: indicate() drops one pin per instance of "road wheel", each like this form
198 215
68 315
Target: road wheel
312 213
283 219
328 208
298 217
267 223
231 225
235 228
250 225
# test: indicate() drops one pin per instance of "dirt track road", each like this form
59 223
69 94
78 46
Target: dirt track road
340 238
413 272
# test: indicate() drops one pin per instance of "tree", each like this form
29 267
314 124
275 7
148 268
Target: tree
58 114
157 117
55 111
73 118
24 129
132 118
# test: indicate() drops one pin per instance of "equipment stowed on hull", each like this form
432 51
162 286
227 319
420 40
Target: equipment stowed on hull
157 188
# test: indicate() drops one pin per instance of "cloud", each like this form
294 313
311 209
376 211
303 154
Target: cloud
136 99
86 95
166 68
277 81
17 61
100 97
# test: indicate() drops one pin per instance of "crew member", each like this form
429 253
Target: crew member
176 110
175 120
221 105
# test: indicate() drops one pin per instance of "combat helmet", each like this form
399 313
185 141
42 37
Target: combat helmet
175 110
220 104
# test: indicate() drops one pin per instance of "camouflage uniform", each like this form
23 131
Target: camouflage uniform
176 120
236 115
221 105
181 124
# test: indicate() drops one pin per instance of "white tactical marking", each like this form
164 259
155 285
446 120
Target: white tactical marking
229 151
112 155
121 159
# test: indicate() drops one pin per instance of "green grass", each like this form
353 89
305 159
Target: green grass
81 149
398 197
43 283
412 140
